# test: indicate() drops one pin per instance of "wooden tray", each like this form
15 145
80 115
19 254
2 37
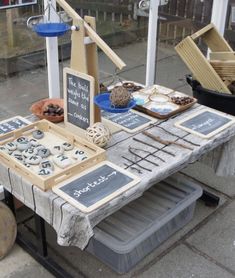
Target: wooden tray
180 108
54 135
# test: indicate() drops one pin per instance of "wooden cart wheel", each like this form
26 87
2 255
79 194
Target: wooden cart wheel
8 230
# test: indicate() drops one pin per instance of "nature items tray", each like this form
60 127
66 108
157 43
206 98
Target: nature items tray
46 154
161 102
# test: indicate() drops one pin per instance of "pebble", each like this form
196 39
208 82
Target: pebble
34 159
57 150
38 134
45 172
62 161
46 164
11 146
4 149
29 152
67 146
44 152
34 142
18 155
24 145
40 147
79 155
22 139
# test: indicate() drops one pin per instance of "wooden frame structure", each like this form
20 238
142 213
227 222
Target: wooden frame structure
197 63
84 42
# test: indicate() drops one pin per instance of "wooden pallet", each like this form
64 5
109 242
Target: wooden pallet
53 135
197 63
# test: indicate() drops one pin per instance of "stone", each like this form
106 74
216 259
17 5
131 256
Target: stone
29 152
67 146
34 159
34 142
44 152
18 155
62 161
79 155
46 164
57 150
24 145
45 172
11 146
38 134
5 150
21 139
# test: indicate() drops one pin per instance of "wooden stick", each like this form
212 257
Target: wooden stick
93 35
165 142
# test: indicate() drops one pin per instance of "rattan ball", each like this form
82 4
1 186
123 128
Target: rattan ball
98 134
119 97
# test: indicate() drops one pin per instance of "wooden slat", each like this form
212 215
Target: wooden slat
222 56
199 66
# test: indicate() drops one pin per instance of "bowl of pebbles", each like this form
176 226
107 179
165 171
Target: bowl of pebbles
50 109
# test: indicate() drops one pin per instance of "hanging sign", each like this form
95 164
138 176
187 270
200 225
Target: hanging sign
96 186
78 96
7 4
130 121
206 123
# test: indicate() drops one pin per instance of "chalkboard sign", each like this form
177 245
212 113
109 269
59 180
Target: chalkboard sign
131 121
78 96
11 124
96 186
206 123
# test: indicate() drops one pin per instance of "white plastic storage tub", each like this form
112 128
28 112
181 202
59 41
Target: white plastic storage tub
127 236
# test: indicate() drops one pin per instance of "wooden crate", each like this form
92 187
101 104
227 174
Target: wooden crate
225 69
53 135
197 63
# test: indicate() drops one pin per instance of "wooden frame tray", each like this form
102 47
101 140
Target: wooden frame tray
53 135
146 110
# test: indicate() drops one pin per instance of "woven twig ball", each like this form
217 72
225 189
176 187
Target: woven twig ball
119 96
98 134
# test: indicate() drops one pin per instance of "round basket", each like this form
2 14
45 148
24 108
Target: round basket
51 29
38 107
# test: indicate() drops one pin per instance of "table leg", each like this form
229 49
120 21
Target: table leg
39 252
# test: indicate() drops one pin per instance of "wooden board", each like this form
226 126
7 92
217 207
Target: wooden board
96 186
11 124
131 121
54 135
8 230
79 100
206 123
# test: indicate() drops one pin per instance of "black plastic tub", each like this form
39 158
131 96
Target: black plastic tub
220 101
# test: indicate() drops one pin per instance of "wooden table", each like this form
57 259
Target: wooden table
75 228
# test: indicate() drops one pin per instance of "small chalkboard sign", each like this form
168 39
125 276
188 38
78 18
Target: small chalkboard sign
78 96
12 124
130 121
96 186
206 123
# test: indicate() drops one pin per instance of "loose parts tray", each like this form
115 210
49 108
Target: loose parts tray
127 236
54 135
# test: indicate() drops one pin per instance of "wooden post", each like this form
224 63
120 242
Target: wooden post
92 63
10 31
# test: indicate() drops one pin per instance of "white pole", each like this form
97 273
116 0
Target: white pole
152 42
219 13
52 57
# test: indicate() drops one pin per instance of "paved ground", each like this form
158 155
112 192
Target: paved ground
204 248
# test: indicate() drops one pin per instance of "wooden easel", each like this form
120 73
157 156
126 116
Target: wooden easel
84 57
